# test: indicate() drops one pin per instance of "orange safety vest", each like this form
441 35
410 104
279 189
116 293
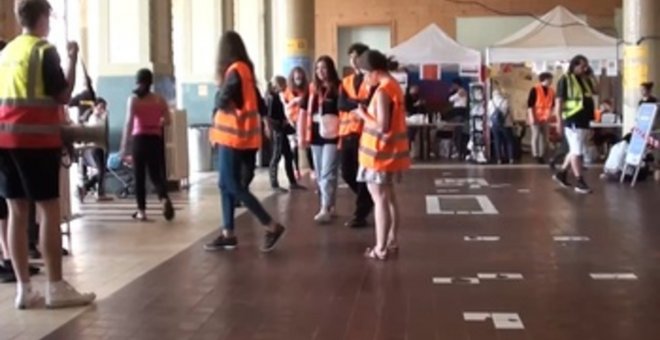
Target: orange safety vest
305 120
292 113
239 128
386 151
544 103
29 118
348 122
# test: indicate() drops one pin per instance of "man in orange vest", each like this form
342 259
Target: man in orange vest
33 89
354 91
540 104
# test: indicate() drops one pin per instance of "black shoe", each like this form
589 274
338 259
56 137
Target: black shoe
272 238
540 160
561 178
582 188
222 243
168 210
279 190
34 253
7 275
297 186
238 204
356 223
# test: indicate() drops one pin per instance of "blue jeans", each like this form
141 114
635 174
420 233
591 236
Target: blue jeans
230 161
326 166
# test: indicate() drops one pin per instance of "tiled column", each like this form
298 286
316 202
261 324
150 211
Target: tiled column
641 29
198 26
292 35
124 36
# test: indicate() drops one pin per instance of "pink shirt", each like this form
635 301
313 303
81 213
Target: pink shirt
148 114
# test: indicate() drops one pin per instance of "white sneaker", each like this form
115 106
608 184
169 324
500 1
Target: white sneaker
63 295
29 299
323 216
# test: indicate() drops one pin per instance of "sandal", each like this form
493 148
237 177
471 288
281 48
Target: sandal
372 253
136 216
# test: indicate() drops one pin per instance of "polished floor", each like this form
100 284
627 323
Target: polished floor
486 253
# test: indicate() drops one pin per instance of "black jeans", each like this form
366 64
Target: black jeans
97 158
503 138
149 154
281 147
350 146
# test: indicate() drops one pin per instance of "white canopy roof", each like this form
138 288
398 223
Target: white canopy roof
566 36
432 46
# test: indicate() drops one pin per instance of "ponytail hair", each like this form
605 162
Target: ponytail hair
144 79
374 60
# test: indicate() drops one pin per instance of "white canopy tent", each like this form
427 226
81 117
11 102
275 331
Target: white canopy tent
432 46
558 36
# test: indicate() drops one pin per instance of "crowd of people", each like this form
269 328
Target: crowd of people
356 124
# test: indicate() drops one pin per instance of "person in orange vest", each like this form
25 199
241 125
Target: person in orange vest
384 149
318 128
236 134
295 94
354 90
540 103
33 90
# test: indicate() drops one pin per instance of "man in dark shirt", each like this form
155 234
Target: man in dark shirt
351 142
575 107
279 127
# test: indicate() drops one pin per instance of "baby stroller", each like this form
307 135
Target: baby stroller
121 170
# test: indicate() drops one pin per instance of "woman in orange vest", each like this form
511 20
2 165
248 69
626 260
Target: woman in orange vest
384 149
295 94
318 127
540 104
236 134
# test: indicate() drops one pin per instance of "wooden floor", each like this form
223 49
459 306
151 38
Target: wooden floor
485 254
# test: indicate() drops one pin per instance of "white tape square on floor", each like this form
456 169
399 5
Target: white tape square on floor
571 239
613 276
481 238
486 206
502 321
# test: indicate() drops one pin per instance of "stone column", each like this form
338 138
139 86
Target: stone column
641 53
292 35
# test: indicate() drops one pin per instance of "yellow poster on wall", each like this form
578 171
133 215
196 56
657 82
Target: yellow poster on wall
296 47
635 66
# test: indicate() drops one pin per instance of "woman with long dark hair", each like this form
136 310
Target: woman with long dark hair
384 149
318 127
236 134
294 96
146 116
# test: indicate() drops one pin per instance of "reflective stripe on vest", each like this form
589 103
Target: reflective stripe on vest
28 117
240 128
386 151
544 103
348 122
575 101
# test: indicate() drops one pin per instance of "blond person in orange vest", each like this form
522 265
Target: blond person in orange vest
33 90
384 149
354 91
540 105
318 128
236 134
